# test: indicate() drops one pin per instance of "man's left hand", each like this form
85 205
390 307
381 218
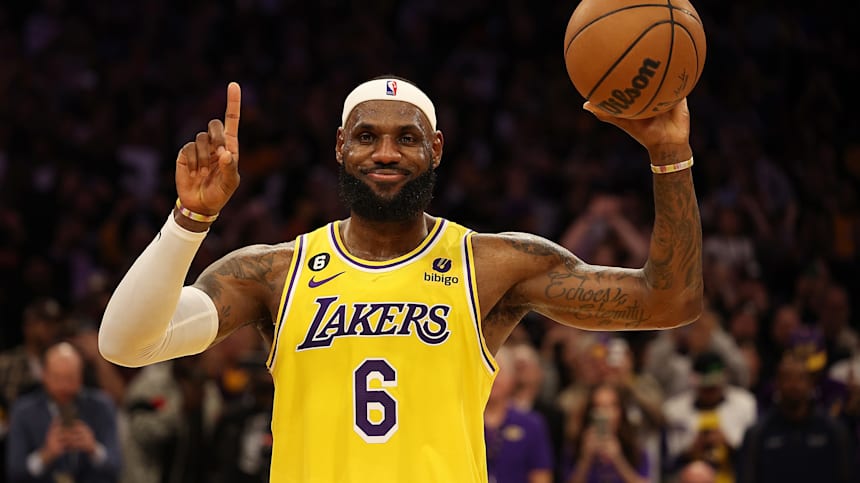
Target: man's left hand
79 436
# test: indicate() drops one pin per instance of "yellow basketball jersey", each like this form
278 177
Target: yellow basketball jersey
381 372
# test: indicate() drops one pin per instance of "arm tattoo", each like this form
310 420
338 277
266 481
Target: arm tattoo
584 292
245 267
598 295
675 258
533 245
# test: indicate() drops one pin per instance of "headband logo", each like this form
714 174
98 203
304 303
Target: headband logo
391 88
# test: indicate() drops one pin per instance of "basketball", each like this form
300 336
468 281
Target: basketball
634 59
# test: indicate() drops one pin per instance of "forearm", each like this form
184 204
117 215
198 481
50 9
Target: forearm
627 472
141 324
674 267
583 466
649 403
630 237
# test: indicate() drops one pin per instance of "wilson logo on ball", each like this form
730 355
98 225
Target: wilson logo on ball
622 100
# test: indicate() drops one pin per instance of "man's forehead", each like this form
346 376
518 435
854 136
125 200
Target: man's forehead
377 112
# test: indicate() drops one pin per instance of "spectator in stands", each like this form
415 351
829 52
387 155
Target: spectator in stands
172 409
607 449
697 472
795 441
708 422
529 377
518 445
65 432
833 318
242 442
669 356
21 367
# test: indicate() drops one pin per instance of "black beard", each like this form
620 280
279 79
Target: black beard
412 199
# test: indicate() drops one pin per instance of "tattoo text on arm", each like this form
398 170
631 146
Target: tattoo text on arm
586 292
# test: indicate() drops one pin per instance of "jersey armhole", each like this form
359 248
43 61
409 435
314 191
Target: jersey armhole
474 303
293 274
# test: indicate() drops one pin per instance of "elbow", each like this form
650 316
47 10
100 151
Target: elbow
690 310
680 311
112 349
108 348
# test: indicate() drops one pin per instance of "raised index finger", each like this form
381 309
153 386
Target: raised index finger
231 117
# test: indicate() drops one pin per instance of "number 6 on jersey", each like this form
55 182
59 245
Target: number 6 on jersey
375 411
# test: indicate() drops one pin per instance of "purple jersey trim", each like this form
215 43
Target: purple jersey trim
300 246
473 306
363 264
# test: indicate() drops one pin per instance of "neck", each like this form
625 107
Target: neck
384 240
797 412
525 398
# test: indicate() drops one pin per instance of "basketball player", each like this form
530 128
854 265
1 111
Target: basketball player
383 325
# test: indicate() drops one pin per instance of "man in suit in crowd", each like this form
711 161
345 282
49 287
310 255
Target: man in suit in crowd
63 432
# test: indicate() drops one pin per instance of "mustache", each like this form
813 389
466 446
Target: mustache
412 199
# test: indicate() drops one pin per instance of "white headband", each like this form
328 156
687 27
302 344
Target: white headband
389 90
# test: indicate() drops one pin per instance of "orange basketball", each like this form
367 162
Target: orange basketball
632 58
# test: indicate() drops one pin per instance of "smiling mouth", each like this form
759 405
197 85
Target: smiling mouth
386 174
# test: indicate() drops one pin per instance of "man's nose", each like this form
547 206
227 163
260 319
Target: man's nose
386 151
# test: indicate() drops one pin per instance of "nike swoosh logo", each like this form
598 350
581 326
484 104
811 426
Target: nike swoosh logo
316 283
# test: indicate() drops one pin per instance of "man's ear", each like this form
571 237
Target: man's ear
338 146
438 144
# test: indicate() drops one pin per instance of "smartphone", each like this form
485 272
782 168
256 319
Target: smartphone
600 422
68 414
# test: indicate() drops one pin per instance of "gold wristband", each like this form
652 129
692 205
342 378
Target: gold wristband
672 168
195 216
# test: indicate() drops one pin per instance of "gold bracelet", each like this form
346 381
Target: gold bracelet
672 168
195 216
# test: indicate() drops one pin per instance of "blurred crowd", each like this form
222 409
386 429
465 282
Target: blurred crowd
100 95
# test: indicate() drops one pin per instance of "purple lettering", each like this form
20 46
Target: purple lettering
414 313
439 335
310 340
336 322
362 318
333 320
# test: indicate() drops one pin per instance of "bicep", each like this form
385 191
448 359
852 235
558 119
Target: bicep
242 286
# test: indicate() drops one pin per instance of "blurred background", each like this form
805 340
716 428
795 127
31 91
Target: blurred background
98 97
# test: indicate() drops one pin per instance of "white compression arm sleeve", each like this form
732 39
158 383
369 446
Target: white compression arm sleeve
151 317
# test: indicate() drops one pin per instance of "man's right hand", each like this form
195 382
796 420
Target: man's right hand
207 169
55 442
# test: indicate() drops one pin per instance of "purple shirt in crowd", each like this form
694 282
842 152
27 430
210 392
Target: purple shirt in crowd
520 445
602 472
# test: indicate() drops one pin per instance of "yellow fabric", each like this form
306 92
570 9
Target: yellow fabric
381 372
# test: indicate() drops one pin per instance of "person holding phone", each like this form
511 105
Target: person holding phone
64 432
607 449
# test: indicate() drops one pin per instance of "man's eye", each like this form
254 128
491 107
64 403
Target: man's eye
407 139
365 137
